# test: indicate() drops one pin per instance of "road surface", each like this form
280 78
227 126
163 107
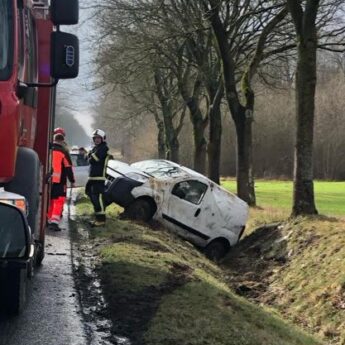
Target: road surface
52 314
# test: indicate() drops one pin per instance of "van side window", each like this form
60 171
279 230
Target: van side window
191 191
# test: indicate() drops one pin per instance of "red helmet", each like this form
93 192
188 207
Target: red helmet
59 130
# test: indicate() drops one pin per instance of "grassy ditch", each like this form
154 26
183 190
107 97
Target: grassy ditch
297 269
161 290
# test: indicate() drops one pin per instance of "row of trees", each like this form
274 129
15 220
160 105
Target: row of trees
176 58
273 130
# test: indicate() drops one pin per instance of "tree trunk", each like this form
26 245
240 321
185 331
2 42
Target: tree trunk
198 135
243 125
172 146
303 195
161 140
215 128
305 25
172 143
245 178
198 122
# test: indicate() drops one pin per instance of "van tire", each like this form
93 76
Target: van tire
140 209
217 249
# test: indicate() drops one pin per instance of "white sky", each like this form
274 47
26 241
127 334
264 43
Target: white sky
77 93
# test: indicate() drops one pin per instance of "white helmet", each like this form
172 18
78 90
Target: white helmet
98 133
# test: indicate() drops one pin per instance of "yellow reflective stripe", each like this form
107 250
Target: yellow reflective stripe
100 213
101 202
105 165
95 157
97 178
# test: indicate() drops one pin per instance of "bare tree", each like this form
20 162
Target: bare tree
308 34
242 31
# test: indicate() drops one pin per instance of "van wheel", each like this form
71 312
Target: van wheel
216 250
140 209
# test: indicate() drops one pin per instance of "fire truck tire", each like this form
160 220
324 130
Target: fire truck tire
39 253
26 182
16 292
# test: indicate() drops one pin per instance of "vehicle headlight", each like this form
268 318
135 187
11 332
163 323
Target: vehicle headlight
20 203
137 177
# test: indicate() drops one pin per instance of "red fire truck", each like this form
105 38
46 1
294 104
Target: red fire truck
34 55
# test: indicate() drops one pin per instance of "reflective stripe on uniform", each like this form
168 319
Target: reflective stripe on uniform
105 164
97 178
94 156
57 175
101 202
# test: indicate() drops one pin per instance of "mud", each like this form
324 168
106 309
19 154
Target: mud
252 262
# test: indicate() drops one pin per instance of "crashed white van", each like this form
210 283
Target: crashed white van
183 200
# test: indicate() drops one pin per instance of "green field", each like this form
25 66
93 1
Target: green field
330 196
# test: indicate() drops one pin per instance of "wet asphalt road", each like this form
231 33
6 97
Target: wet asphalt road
52 314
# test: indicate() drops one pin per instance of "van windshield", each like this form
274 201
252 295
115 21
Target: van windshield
6 29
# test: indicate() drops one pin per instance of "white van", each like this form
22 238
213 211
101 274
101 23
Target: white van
183 200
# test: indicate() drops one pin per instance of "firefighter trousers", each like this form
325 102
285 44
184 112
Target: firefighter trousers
55 209
95 190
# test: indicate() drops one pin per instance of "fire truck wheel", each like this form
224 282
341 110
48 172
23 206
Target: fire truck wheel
26 182
39 253
16 293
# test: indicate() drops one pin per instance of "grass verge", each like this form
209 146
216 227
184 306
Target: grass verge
161 290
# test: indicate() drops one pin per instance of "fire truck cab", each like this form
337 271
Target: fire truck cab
34 55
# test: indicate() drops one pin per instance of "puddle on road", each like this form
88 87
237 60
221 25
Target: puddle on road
93 305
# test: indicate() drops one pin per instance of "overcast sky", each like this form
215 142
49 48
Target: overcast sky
77 94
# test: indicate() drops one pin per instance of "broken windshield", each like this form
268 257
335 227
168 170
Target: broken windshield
157 168
6 27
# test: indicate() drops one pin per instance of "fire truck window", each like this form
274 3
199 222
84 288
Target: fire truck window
5 32
31 48
21 54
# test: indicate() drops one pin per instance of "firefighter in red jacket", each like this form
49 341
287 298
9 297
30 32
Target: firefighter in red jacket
60 130
62 170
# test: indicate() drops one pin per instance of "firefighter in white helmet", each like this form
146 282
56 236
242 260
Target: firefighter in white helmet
98 158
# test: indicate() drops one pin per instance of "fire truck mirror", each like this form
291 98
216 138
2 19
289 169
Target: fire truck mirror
64 55
65 12
14 233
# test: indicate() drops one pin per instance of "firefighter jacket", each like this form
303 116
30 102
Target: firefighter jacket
62 165
98 158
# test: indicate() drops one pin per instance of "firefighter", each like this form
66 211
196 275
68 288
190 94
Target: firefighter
60 130
97 158
62 169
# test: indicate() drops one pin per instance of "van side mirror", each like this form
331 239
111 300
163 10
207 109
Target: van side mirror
64 55
14 233
64 12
